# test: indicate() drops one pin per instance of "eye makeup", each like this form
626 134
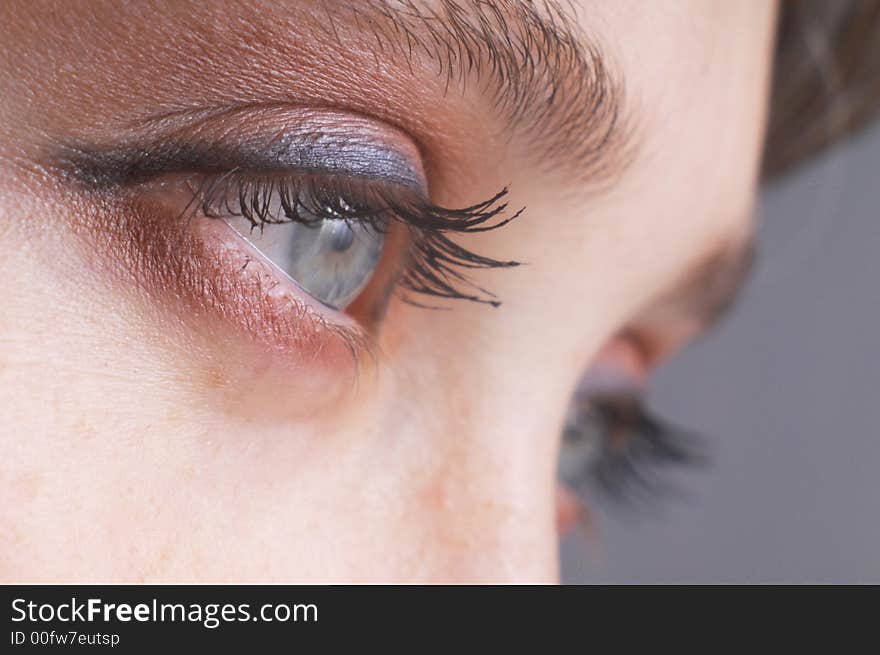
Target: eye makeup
266 139
180 196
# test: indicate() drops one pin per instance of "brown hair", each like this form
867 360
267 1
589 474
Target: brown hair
826 78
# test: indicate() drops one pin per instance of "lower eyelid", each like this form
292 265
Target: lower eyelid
272 282
213 300
193 264
358 323
240 286
282 354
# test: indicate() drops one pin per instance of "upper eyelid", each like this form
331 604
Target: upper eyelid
274 138
298 142
406 67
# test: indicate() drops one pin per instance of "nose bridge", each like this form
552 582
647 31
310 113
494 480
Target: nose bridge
496 512
487 488
477 440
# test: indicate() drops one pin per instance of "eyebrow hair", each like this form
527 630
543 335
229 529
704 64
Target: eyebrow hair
710 288
552 88
552 83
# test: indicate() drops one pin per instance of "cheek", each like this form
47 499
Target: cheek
90 352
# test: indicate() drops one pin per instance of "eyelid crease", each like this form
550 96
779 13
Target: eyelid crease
278 137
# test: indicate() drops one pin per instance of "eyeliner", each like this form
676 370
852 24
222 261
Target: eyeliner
100 169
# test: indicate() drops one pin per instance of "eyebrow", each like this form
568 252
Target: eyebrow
547 85
710 288
551 82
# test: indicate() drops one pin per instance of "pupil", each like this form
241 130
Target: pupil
339 235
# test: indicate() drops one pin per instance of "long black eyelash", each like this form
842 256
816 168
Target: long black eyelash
436 264
633 452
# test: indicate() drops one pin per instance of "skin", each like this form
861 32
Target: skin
150 436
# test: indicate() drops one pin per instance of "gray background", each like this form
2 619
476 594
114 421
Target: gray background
787 388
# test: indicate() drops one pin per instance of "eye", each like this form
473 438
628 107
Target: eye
301 228
323 249
328 234
614 448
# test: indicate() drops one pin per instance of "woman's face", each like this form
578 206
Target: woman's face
185 398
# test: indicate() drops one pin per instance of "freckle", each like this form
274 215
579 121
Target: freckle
434 494
187 473
215 379
27 485
83 429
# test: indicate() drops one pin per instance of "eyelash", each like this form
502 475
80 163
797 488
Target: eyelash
635 451
435 262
